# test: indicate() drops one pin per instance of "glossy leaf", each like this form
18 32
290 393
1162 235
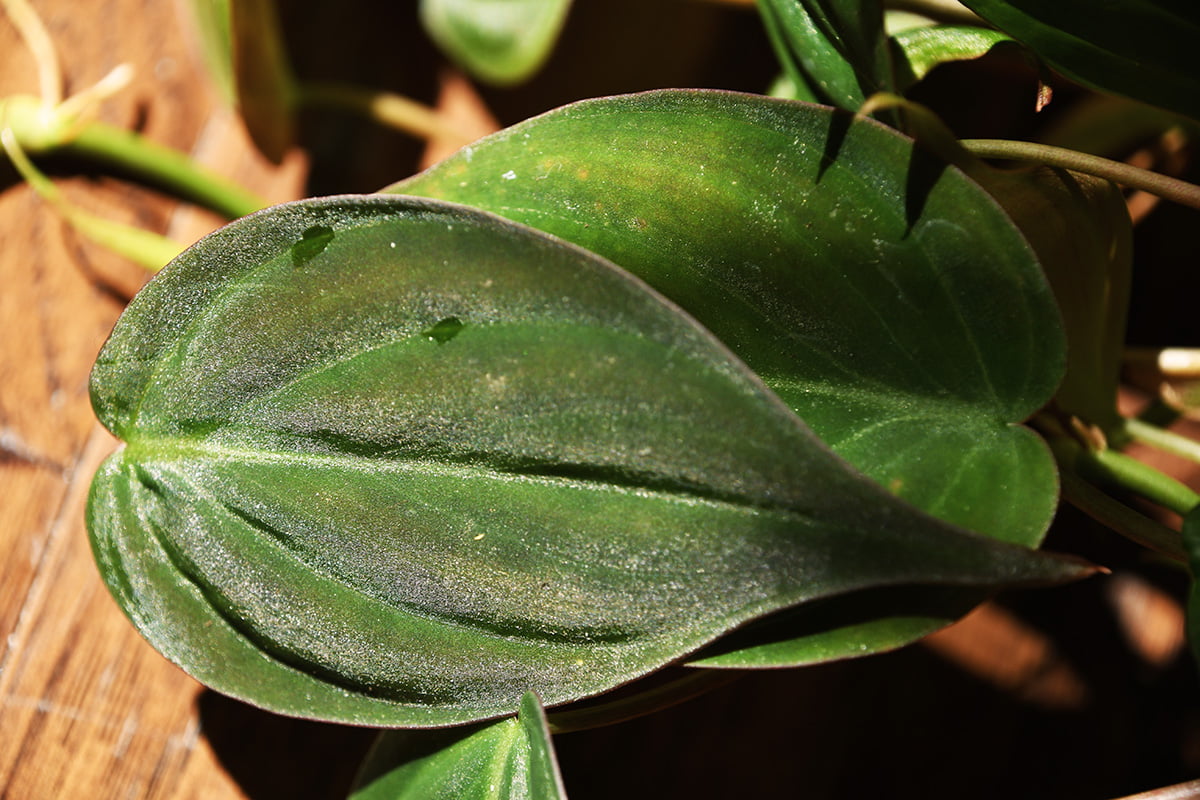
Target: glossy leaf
500 41
512 759
335 501
1142 49
919 50
884 296
835 51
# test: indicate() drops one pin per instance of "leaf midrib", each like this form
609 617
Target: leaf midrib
173 451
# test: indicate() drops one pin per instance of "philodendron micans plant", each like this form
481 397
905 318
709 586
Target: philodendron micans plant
684 377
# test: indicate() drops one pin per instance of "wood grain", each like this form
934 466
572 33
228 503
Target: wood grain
87 709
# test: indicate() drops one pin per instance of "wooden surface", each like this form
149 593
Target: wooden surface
86 708
1083 692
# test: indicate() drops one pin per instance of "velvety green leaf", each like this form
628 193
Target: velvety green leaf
500 41
885 297
1144 49
511 759
835 49
919 50
396 462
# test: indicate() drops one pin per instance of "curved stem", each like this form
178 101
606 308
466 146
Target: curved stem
638 705
386 108
149 249
1119 471
170 169
1173 189
1163 439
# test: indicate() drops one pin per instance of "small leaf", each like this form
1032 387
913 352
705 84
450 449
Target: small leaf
512 759
322 511
921 49
500 41
1144 49
835 50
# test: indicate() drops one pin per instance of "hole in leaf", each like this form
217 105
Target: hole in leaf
314 240
444 330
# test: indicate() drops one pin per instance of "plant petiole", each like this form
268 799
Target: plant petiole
1166 187
1169 442
1111 469
42 131
385 108
144 247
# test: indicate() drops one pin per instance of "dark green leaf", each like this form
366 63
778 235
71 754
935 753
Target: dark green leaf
884 296
512 759
500 41
1080 228
325 510
1144 49
834 50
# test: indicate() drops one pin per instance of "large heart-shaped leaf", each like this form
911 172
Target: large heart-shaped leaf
885 297
1144 49
511 759
396 462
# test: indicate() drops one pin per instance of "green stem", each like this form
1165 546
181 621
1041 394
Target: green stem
1164 440
162 166
386 108
144 247
1112 469
627 708
1173 189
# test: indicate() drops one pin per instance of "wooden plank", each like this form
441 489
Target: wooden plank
86 707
